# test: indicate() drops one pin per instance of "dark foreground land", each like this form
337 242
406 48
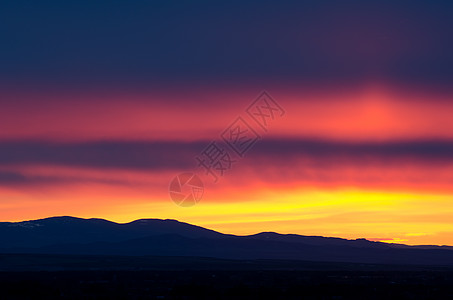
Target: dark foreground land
102 277
226 285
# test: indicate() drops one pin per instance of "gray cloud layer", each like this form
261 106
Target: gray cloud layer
148 41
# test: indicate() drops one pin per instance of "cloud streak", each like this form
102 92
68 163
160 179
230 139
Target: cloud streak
155 155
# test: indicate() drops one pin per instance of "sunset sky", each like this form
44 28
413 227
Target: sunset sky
103 103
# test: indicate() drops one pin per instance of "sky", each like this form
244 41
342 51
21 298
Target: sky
103 103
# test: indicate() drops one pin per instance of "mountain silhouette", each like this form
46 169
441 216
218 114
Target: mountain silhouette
70 235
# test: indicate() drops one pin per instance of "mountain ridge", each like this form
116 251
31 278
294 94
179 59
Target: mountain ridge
153 221
169 237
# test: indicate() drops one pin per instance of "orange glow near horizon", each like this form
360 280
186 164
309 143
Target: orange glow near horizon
415 218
